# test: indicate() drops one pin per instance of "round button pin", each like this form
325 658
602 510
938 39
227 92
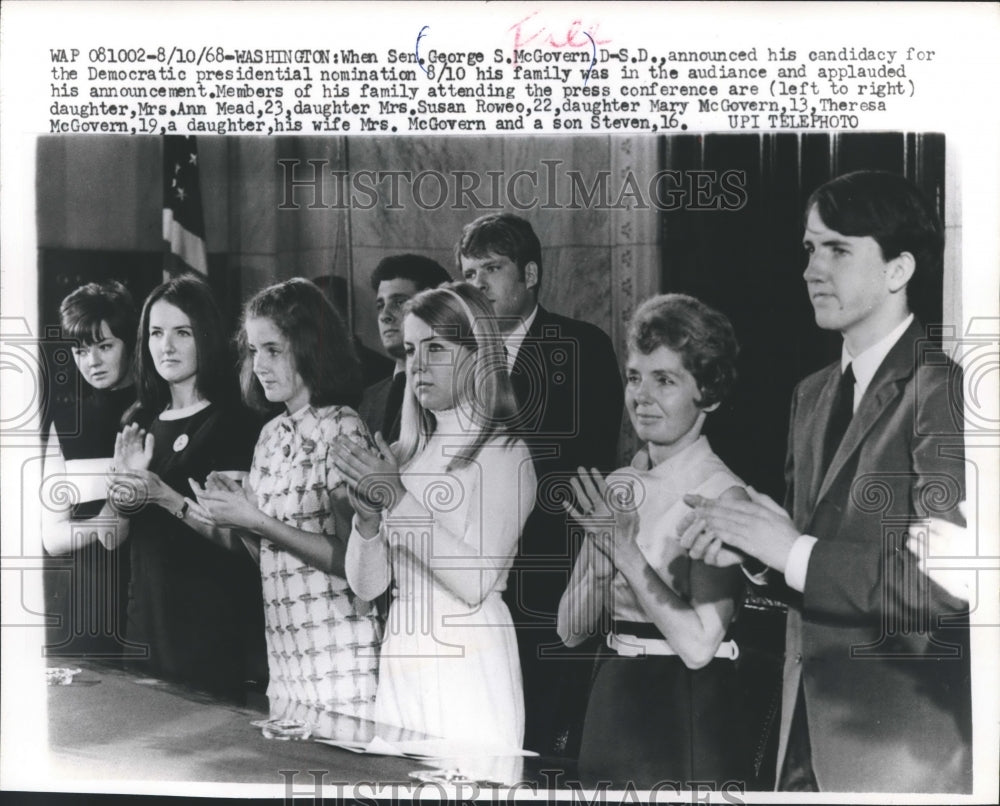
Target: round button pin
180 443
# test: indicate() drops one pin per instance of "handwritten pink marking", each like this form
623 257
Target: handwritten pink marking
575 35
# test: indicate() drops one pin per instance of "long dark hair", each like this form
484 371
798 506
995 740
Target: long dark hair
193 297
323 351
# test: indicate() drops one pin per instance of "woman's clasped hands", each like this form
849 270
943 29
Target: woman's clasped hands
609 518
224 502
373 480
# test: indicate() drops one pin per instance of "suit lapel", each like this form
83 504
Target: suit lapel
885 388
393 407
522 371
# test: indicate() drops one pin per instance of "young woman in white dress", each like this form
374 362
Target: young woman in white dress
438 518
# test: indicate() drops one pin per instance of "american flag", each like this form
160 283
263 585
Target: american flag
183 219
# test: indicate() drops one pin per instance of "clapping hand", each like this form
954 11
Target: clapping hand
130 482
702 544
937 543
373 481
224 502
724 531
133 448
609 520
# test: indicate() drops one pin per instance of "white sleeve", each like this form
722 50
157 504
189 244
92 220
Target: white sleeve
798 562
501 483
366 563
57 529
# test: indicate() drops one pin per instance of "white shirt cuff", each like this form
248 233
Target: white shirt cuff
798 562
756 577
361 537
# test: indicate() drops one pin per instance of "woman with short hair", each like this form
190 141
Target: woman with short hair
665 705
87 593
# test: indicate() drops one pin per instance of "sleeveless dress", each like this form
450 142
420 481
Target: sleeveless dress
450 667
322 639
86 591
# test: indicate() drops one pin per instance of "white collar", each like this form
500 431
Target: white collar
513 341
187 411
457 421
867 362
690 455
299 413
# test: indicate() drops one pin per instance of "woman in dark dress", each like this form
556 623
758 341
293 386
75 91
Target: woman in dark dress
85 589
195 605
665 705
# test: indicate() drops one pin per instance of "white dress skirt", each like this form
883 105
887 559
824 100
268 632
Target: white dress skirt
449 662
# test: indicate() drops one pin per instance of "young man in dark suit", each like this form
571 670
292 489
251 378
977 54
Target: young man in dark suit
876 690
570 402
396 278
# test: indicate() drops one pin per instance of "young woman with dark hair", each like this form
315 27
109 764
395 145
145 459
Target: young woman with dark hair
194 604
101 319
88 593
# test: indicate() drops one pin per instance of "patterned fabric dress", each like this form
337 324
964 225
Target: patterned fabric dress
322 640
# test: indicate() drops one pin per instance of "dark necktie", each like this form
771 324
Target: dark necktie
393 408
518 371
840 416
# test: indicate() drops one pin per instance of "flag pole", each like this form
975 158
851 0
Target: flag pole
350 247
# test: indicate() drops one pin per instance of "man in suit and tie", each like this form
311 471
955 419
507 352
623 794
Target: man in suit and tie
396 278
570 402
876 692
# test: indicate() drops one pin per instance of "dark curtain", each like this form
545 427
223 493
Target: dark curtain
748 263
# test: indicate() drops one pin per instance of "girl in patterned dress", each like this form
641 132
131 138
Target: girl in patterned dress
456 491
293 512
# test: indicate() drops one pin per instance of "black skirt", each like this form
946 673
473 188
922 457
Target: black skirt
652 722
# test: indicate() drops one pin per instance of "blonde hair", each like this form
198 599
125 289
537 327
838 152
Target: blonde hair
459 313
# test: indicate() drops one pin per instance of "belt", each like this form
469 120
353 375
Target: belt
632 646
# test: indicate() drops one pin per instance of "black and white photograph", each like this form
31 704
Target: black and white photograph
361 441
